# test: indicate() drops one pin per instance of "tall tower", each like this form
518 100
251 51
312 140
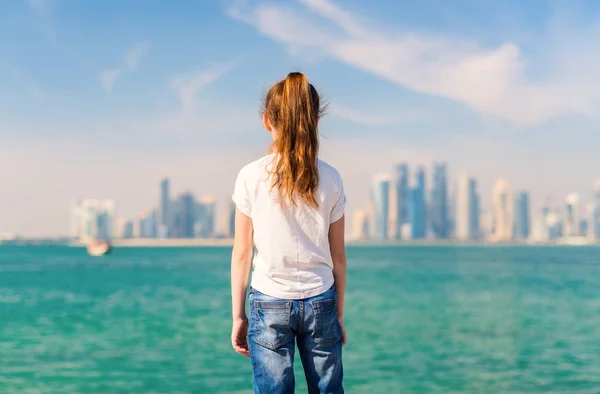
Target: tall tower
522 217
571 222
503 211
380 196
165 214
402 197
439 202
464 207
418 208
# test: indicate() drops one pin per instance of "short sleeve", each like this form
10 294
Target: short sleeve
241 194
339 206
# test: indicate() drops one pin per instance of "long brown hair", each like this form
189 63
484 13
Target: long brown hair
293 108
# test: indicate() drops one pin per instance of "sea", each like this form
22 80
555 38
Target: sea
420 319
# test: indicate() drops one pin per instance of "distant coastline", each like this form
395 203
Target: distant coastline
228 242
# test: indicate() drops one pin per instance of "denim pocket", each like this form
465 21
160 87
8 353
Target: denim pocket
272 322
327 326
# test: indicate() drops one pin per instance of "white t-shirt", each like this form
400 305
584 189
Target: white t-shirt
292 259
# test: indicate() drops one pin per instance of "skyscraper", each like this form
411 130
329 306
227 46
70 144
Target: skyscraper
402 197
186 216
147 224
93 219
467 208
380 195
417 210
439 202
571 222
127 230
522 217
503 211
205 217
360 225
475 211
232 209
592 233
165 215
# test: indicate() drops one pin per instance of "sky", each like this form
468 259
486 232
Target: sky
103 99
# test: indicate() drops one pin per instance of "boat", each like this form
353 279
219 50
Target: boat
98 248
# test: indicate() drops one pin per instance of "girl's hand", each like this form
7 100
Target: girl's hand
239 334
343 332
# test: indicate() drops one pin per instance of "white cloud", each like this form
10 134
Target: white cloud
131 62
188 86
109 77
133 56
493 80
368 118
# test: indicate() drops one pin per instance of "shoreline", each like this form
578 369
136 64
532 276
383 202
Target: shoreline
228 242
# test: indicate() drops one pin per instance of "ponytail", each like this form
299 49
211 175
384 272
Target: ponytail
293 109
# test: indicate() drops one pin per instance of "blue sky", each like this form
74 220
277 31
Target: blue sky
102 99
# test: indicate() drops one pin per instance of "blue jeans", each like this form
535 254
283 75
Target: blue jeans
313 323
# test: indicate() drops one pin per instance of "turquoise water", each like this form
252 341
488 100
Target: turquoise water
419 320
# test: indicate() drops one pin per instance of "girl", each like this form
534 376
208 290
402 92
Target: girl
291 206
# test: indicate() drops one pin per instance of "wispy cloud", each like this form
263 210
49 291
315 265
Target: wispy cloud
131 62
368 118
494 80
188 85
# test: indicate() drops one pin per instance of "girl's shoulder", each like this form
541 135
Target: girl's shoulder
327 171
255 169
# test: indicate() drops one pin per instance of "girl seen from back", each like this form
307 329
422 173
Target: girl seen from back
290 207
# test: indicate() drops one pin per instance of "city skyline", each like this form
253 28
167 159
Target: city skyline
174 216
98 104
453 211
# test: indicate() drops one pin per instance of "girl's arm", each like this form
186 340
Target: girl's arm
241 260
338 255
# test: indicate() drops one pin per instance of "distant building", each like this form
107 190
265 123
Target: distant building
485 225
571 220
165 215
439 202
452 214
418 208
522 217
583 227
402 198
554 226
127 230
475 211
93 219
539 230
393 213
206 210
186 216
360 225
174 218
232 209
467 209
148 224
503 211
380 193
592 228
